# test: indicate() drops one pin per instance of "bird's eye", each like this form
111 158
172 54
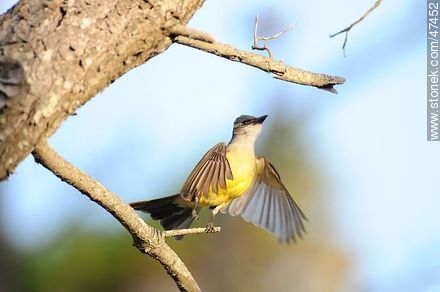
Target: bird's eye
246 123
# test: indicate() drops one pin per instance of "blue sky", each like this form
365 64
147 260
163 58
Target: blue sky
369 139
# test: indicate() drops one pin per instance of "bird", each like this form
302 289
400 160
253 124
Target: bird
230 178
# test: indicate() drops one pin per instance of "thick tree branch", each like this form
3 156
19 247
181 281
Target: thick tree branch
64 53
348 28
276 67
194 34
146 238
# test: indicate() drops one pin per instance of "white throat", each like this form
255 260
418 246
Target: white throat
244 138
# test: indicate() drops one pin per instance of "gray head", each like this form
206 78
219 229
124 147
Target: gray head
248 125
245 120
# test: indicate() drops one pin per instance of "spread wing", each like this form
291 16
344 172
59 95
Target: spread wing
210 173
268 204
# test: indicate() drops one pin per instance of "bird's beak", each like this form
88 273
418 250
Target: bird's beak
260 120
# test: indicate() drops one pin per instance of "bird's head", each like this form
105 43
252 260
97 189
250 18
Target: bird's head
248 125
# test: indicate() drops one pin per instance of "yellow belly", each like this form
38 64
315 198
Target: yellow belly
243 168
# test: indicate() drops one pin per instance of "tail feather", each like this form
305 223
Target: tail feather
176 221
171 214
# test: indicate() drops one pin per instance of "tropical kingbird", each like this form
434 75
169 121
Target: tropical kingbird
231 179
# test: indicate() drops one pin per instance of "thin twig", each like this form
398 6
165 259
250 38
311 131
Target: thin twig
347 29
189 231
279 69
257 38
255 46
146 238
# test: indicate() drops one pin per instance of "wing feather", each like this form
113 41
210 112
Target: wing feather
285 222
210 173
268 204
277 219
197 185
221 176
208 181
216 177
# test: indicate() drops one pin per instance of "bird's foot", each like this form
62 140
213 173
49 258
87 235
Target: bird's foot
194 214
210 228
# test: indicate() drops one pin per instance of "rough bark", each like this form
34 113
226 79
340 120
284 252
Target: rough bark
56 55
146 238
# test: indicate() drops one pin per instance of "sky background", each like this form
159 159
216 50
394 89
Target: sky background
380 176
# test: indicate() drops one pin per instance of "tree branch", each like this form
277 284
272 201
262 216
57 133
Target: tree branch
146 238
56 55
347 29
194 34
189 231
277 68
